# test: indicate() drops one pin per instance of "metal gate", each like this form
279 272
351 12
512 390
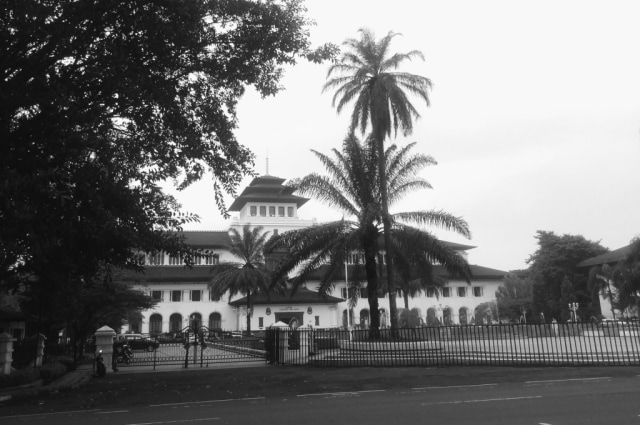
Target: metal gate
195 347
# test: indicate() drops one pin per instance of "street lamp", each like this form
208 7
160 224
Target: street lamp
573 307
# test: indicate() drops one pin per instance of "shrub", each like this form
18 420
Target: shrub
52 371
19 377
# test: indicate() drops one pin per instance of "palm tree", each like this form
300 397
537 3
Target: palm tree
248 276
353 186
368 76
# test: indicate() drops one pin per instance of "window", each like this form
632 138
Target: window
156 295
446 292
272 211
364 293
211 259
290 211
155 324
431 292
176 296
196 295
175 323
462 291
477 291
261 322
317 320
280 211
215 321
253 211
156 259
263 211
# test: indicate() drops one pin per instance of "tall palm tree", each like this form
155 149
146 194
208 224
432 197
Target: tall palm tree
247 276
367 76
353 186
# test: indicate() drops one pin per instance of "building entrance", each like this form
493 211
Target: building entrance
286 317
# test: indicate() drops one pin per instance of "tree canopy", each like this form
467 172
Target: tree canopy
367 75
103 100
557 279
352 184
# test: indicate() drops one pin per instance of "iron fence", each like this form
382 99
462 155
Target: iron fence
198 348
575 344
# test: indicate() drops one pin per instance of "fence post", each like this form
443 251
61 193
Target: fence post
6 353
40 349
104 343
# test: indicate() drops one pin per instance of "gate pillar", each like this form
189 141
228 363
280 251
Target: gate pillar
104 343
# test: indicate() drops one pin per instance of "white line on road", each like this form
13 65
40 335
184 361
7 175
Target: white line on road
52 413
113 411
455 386
340 393
568 380
485 400
207 401
180 421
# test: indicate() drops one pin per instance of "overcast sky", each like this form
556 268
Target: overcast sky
534 122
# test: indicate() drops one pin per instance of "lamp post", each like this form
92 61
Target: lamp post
573 307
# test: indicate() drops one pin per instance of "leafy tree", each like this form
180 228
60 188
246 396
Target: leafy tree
353 186
80 307
367 76
554 266
619 282
250 274
514 296
626 278
103 100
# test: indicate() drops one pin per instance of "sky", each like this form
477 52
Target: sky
534 118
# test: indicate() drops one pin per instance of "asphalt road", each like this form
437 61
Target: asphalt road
270 395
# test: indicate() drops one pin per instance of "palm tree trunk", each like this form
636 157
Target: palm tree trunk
393 309
249 313
369 242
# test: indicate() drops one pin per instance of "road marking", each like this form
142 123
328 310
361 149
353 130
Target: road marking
484 400
52 413
207 401
568 380
113 411
345 393
455 386
180 421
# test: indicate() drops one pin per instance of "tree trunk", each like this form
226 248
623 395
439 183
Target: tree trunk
393 310
249 313
369 242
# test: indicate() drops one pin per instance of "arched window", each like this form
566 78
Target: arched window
215 321
432 317
175 322
463 316
364 318
345 321
155 324
195 320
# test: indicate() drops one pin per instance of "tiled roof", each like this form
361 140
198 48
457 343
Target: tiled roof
207 238
266 189
301 296
167 274
607 258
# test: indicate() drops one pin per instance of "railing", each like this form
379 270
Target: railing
574 344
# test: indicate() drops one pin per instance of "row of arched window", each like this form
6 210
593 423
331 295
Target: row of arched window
177 322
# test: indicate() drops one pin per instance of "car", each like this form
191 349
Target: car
139 342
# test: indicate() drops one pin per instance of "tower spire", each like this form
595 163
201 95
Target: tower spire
267 162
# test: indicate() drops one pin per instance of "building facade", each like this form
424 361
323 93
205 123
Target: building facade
184 297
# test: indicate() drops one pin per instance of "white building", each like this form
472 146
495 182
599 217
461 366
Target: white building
184 296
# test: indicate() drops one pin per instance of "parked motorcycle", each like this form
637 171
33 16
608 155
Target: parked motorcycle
101 369
122 353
